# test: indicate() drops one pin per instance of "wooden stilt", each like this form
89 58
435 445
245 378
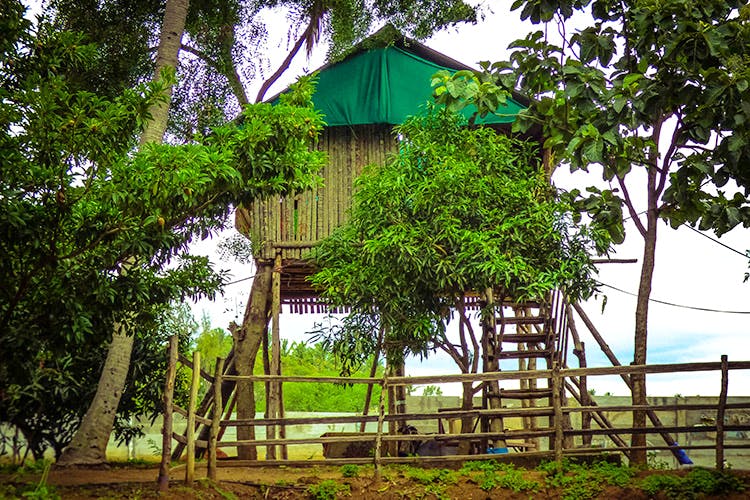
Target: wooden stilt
721 411
166 430
580 352
190 451
274 396
557 390
217 411
379 433
373 371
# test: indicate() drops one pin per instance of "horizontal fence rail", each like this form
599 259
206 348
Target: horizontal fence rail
518 440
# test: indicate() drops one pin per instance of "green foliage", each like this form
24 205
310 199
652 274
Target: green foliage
429 476
350 470
660 86
42 491
698 483
300 359
328 490
494 475
93 233
459 209
580 481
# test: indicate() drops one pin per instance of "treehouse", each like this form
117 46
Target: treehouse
378 85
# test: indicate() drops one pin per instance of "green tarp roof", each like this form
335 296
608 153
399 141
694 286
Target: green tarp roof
385 85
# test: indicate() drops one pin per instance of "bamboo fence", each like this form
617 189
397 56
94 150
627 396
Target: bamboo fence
556 434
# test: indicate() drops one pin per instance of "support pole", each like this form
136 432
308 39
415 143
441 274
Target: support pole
190 451
274 397
166 429
651 414
557 389
579 350
721 411
218 409
379 433
373 371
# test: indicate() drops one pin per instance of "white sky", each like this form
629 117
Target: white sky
690 269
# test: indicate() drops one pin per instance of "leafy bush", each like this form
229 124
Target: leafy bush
697 483
350 470
578 481
327 490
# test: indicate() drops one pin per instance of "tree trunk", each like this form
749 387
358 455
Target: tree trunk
467 423
89 443
247 340
638 381
166 57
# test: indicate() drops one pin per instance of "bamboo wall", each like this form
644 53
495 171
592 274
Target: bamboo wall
292 224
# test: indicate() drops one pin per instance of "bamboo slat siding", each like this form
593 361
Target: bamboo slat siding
307 217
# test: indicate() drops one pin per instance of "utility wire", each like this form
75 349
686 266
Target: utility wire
716 241
239 280
682 306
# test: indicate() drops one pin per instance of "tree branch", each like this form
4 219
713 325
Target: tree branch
232 76
280 71
629 204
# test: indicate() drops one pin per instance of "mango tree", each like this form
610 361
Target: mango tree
660 88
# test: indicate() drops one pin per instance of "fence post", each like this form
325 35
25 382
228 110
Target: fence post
721 411
379 432
215 418
166 428
557 406
190 434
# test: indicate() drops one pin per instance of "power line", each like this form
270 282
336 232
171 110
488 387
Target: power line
716 241
239 280
682 306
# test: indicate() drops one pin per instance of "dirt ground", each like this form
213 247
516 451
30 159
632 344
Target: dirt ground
129 482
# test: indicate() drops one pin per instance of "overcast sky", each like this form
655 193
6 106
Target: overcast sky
691 270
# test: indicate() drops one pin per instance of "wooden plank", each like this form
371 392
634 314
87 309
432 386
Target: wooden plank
530 354
521 320
525 394
512 375
527 338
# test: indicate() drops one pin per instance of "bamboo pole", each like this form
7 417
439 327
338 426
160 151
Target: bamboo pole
166 430
216 413
721 412
190 452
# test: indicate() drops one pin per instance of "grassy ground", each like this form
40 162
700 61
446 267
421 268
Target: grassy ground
473 481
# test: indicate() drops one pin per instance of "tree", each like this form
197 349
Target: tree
89 444
460 209
212 25
79 207
658 87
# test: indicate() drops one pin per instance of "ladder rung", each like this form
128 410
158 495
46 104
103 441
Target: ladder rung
521 320
542 353
531 338
525 393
